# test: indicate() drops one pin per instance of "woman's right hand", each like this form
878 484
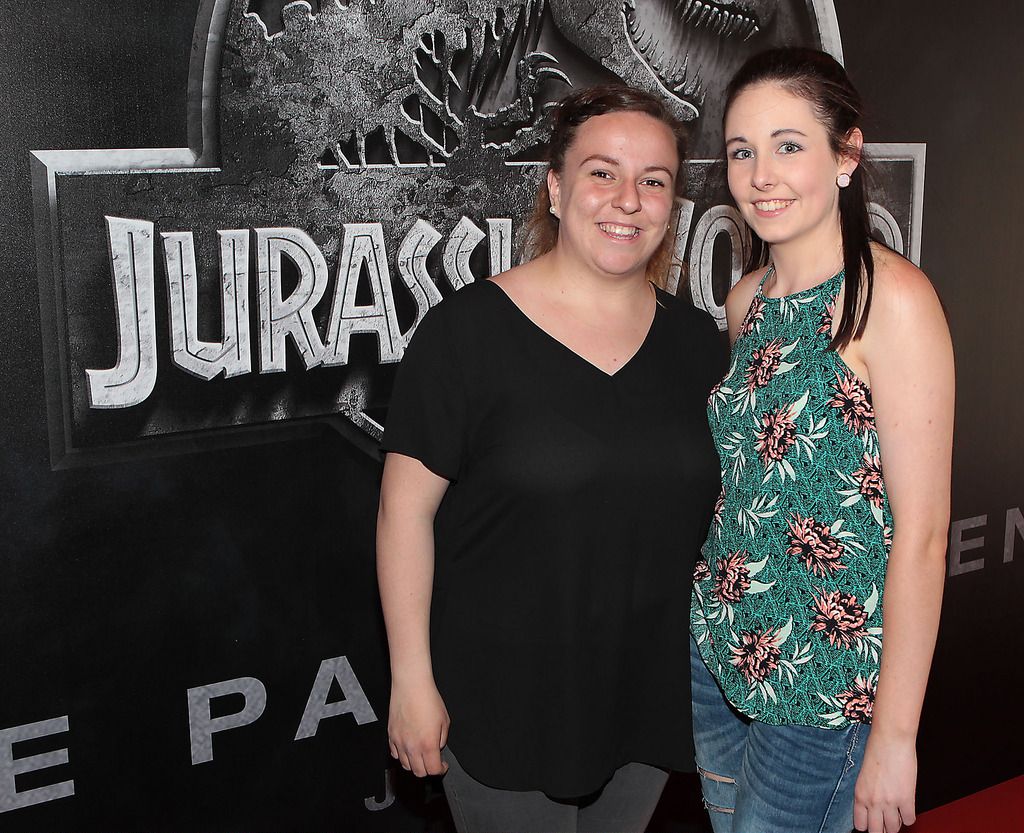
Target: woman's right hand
417 719
418 729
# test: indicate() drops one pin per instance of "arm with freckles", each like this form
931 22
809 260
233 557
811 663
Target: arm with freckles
417 719
906 348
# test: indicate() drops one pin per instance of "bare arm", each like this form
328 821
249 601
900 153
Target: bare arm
907 350
417 719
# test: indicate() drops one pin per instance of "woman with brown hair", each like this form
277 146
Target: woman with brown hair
548 482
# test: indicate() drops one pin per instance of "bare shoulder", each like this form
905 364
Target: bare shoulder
515 276
520 282
902 294
906 318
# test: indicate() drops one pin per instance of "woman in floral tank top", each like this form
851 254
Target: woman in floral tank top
816 604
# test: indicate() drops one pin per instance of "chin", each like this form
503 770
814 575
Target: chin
624 270
767 232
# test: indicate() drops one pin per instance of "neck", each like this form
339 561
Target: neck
570 280
801 264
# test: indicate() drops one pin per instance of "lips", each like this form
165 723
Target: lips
619 232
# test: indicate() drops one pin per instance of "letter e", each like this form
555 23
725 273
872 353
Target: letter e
958 546
10 798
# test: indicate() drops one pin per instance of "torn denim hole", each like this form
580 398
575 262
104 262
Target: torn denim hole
714 808
711 776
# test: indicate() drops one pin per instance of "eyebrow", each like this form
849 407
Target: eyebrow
775 134
611 160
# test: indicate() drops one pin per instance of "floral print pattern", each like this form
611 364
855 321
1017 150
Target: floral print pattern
787 598
756 656
754 317
815 546
763 364
825 322
858 700
853 400
839 617
869 479
777 435
733 577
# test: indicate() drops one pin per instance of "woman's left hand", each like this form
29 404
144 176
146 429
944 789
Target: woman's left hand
883 799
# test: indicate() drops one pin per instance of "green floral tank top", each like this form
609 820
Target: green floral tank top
787 600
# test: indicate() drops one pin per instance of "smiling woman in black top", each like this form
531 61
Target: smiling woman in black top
549 480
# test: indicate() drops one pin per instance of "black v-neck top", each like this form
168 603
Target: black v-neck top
565 543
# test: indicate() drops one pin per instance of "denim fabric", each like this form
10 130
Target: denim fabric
781 779
624 805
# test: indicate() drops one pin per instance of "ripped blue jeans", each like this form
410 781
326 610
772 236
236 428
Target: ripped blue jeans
758 778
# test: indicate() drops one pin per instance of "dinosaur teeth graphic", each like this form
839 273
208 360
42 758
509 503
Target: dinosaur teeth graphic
686 41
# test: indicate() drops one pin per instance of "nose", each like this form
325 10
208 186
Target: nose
627 197
763 173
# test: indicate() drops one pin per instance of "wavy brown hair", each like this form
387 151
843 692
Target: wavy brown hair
540 231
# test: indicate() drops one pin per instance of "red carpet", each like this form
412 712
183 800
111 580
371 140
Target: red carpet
999 809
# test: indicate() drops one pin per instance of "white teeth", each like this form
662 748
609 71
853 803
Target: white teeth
619 231
771 205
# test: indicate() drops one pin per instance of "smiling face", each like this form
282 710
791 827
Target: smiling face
782 168
614 194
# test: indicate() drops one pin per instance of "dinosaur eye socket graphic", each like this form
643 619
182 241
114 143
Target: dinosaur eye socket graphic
349 166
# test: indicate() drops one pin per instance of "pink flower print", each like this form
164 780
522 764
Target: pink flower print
733 577
754 315
869 479
756 656
814 544
763 363
854 403
825 326
701 571
840 617
716 519
777 435
858 700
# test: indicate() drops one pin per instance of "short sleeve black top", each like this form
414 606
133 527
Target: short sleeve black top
565 543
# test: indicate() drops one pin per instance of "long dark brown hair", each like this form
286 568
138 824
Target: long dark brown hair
540 232
820 80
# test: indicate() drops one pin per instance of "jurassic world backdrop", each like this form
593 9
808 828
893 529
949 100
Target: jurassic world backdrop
224 220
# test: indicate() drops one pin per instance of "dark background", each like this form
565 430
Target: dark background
123 585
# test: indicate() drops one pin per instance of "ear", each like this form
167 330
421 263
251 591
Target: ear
850 159
554 192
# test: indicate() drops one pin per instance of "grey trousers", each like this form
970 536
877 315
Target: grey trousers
624 805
